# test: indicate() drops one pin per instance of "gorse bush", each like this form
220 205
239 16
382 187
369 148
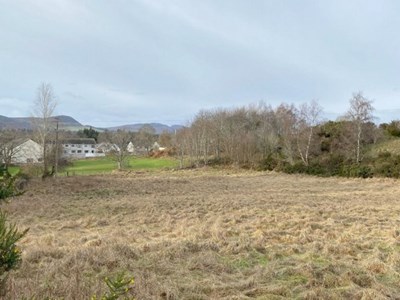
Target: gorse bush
10 254
337 165
357 170
118 288
7 189
387 165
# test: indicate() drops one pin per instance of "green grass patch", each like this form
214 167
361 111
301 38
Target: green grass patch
249 261
13 170
107 165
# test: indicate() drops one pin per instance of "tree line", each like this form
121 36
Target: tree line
288 138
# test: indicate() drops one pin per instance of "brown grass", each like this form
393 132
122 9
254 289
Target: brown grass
210 235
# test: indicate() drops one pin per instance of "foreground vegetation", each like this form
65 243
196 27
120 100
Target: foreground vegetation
10 254
209 235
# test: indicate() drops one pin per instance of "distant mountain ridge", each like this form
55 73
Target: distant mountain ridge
15 123
159 128
65 122
69 123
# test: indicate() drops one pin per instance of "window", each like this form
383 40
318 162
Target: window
86 151
73 151
79 151
92 146
66 145
72 145
92 151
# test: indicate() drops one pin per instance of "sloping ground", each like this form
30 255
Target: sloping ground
193 235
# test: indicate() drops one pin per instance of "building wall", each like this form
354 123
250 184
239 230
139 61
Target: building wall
28 152
80 151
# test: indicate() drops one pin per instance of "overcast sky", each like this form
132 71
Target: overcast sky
129 61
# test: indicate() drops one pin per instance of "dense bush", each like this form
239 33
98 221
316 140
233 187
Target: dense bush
270 163
10 255
384 165
387 165
357 170
32 170
330 165
392 129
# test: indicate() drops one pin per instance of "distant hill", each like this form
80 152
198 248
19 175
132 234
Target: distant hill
69 123
65 122
159 128
14 123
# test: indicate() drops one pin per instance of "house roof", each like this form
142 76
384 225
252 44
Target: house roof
18 142
79 141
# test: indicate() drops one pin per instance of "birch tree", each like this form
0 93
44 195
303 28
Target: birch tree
308 118
359 113
44 106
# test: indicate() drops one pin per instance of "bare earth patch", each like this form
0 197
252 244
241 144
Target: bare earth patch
210 235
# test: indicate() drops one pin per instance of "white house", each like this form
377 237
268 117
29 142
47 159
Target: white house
157 147
107 148
27 151
130 148
80 148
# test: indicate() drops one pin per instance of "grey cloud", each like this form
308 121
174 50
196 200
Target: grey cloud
164 60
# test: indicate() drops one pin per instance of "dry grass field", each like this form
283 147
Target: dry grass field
210 235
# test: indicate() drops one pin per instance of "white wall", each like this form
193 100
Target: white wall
28 152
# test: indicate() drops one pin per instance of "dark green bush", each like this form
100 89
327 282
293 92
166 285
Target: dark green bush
118 288
392 129
269 163
10 255
298 167
215 161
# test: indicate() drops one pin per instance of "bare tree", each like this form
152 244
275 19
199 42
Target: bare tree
165 139
117 142
359 113
146 137
8 148
181 144
44 106
308 118
264 134
285 120
201 134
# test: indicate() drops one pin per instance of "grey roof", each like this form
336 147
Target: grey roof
89 141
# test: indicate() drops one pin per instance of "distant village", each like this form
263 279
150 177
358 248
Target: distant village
29 151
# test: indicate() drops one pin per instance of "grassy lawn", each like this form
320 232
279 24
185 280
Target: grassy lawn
106 165
13 170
